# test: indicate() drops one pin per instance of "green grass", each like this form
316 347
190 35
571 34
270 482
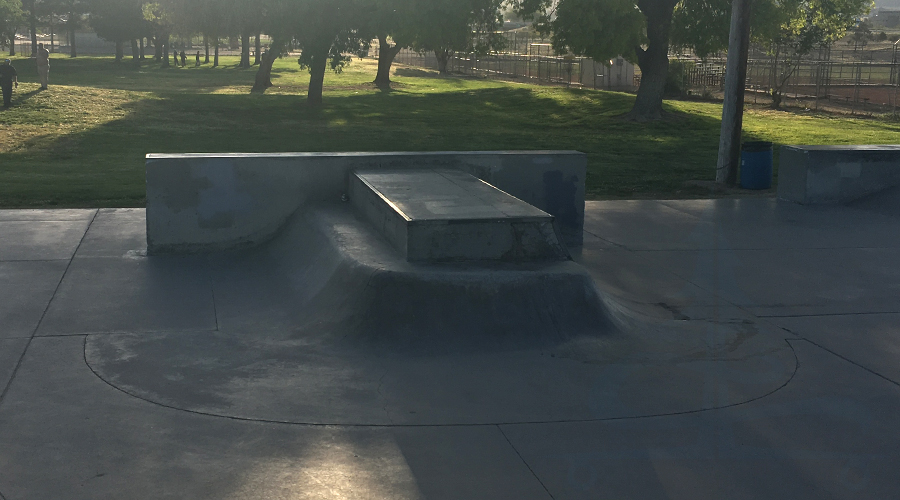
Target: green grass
82 143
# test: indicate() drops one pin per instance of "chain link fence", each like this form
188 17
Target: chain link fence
532 59
858 81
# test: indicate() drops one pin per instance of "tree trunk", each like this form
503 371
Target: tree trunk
264 73
12 45
386 55
258 57
32 26
245 50
206 48
73 51
141 46
443 60
157 49
216 53
135 52
163 42
317 69
120 50
654 60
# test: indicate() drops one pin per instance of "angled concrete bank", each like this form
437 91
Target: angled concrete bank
207 202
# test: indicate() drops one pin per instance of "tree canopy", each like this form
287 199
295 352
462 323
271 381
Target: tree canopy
643 30
11 17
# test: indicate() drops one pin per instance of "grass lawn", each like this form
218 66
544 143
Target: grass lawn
82 143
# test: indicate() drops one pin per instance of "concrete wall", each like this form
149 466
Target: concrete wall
836 174
207 202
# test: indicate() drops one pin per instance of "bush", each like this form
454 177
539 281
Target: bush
677 82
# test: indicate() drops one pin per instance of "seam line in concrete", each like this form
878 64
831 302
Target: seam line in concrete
873 313
475 424
685 212
756 249
525 462
121 332
841 356
15 371
43 220
619 245
34 260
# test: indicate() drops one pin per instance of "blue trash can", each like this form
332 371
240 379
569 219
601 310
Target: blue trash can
756 165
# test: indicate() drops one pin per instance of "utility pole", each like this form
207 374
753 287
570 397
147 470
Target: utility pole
733 107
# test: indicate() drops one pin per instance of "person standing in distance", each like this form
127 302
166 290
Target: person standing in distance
8 76
43 66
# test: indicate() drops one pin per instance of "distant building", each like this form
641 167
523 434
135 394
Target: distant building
615 74
885 17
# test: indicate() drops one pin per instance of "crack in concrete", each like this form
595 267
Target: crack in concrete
383 399
533 473
37 327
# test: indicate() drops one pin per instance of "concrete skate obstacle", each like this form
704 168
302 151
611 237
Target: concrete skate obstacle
209 202
430 252
836 174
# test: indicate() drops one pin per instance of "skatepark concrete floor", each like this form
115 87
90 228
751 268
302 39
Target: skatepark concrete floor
755 354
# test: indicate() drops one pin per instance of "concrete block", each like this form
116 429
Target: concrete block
208 202
836 174
442 215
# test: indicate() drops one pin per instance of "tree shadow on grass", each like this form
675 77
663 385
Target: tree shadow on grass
623 157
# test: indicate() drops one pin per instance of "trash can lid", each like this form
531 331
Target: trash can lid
755 146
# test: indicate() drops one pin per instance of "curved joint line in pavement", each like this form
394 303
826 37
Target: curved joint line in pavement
479 424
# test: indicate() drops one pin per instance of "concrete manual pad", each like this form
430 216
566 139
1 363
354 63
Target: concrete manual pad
27 289
133 294
441 215
40 240
832 429
440 195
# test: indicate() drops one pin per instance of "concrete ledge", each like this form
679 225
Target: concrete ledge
836 174
448 215
208 202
